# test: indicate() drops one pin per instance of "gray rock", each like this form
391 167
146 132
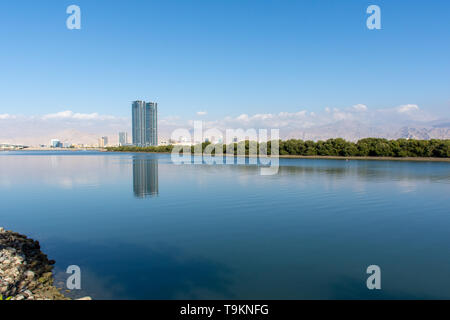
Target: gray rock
27 293
19 297
29 274
25 271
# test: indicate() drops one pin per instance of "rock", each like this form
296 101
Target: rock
85 298
25 272
22 285
47 275
27 293
29 275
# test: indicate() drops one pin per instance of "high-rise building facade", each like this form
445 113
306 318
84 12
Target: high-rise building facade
145 123
123 138
103 142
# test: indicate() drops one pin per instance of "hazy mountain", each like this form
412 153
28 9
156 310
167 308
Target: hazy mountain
354 130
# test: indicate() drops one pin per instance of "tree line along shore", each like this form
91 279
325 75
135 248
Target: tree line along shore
368 147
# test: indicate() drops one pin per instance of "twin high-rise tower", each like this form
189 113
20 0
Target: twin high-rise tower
145 123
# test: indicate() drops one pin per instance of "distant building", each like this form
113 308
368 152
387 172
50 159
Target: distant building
8 146
145 123
55 143
103 142
123 138
163 143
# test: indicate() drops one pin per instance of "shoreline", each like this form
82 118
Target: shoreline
416 159
25 271
367 158
419 159
54 149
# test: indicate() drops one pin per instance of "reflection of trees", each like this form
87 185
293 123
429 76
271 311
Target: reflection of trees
145 177
371 170
359 169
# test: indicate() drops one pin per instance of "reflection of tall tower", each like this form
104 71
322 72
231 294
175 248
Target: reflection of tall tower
145 177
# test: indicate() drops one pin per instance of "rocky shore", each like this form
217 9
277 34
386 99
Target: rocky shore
25 272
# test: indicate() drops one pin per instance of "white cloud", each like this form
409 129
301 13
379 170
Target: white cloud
359 116
243 118
70 115
338 115
68 126
359 107
202 113
407 108
6 116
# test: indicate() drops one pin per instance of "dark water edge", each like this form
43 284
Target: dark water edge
345 158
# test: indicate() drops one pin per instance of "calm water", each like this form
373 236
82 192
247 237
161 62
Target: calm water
141 227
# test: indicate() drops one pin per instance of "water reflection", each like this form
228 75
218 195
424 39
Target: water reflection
226 232
145 177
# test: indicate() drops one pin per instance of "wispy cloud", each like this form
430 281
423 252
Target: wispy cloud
6 116
408 108
359 107
70 115
202 113
66 125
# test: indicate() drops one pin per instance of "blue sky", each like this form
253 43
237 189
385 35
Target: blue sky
225 57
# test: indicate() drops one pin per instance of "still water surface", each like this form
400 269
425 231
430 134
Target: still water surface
141 227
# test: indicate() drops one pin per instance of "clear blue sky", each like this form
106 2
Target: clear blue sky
226 57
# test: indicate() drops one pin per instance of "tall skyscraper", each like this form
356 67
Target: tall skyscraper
145 123
123 138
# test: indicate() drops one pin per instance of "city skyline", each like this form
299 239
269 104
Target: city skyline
352 123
